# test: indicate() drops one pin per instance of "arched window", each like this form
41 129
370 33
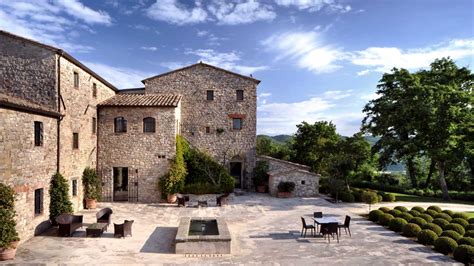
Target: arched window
120 124
149 124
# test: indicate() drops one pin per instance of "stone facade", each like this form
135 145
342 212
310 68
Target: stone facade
146 155
306 182
199 114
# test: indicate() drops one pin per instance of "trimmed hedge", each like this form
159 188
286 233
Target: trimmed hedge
441 222
461 215
375 215
418 209
464 254
346 197
444 216
395 213
455 227
401 208
385 219
466 241
469 227
469 233
384 209
397 224
445 245
460 221
452 234
406 216
415 213
426 217
431 213
418 220
411 230
427 237
471 220
434 208
389 197
449 212
433 227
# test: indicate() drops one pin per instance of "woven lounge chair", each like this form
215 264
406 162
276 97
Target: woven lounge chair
68 223
104 216
123 230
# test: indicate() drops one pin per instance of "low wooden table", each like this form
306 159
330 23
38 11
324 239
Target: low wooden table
96 229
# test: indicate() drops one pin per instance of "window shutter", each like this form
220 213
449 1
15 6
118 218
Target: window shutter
41 134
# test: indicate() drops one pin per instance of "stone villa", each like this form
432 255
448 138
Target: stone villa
58 115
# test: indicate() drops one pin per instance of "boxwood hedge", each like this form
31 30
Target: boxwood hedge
411 230
452 234
397 224
445 245
464 254
433 227
441 222
427 237
455 227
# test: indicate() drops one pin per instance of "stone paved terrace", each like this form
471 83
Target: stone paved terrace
265 230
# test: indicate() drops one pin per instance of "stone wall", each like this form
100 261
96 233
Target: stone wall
149 153
28 71
79 108
197 112
27 167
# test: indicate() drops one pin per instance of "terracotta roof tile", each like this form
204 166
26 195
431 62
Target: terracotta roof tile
143 100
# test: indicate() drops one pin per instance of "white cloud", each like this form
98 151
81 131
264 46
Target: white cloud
242 12
84 13
149 48
370 96
211 39
173 12
383 59
120 77
337 94
315 5
306 49
228 60
264 94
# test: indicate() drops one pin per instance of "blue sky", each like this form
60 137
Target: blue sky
317 59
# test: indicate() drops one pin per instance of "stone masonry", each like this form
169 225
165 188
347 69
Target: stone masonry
197 113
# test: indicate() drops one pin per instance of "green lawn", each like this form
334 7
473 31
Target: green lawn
414 198
470 214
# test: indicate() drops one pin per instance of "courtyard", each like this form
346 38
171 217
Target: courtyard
263 229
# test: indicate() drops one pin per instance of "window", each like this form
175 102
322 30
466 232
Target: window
149 124
210 95
75 140
94 90
94 125
76 80
38 133
38 201
74 187
120 124
208 130
240 95
237 123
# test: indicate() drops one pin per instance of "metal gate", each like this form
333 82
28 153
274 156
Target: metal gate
108 186
133 186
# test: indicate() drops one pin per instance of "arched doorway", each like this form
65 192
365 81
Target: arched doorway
236 169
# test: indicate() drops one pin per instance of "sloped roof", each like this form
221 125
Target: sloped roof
156 100
292 164
202 64
12 102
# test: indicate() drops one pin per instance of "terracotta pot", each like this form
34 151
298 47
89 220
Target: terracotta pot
261 189
9 253
91 203
284 194
172 198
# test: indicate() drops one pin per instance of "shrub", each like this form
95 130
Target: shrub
433 227
469 233
431 213
455 227
445 245
7 217
379 198
460 221
460 215
427 237
419 192
385 219
357 195
260 177
429 193
401 208
287 186
406 216
426 217
464 254
370 197
444 216
395 213
389 197
346 197
466 241
418 209
452 234
469 227
434 208
374 215
441 222
384 209
411 230
397 224
448 212
471 220
417 220
92 184
200 188
59 197
414 213
173 182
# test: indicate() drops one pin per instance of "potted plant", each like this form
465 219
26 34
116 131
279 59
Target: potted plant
92 187
59 201
260 179
9 236
285 189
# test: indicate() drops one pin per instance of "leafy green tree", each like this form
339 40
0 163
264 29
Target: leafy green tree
59 197
265 146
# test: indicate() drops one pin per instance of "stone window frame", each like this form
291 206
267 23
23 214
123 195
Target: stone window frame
241 123
210 95
76 79
38 133
240 117
75 141
94 90
149 125
74 187
120 124
94 125
38 201
239 95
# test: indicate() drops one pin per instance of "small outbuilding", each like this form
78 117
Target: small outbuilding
306 182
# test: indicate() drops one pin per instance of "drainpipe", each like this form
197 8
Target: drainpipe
58 151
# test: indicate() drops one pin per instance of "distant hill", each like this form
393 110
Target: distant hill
282 138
